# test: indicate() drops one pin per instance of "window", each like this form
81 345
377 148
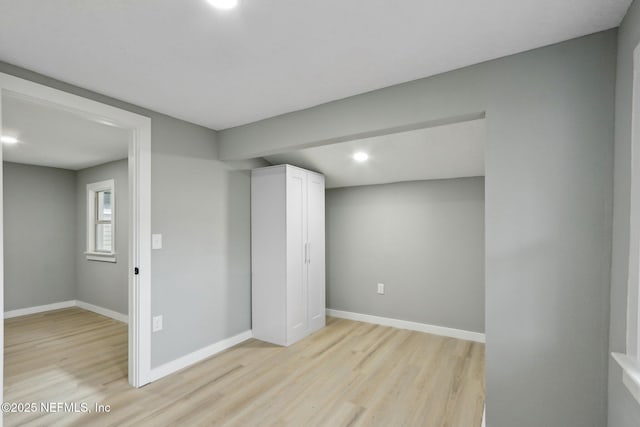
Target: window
101 221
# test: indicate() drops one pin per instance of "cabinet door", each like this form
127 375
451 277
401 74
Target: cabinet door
297 293
315 266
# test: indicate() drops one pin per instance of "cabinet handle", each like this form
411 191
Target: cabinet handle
306 253
309 253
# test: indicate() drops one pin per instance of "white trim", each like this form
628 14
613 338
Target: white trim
102 258
103 311
630 362
632 383
140 254
630 373
139 209
412 326
198 355
484 416
67 304
633 278
1 261
39 309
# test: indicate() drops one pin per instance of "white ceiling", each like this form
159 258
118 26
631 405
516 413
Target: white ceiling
57 138
449 151
226 68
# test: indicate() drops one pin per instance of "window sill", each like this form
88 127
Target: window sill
99 256
630 373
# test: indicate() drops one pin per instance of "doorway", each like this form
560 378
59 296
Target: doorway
139 213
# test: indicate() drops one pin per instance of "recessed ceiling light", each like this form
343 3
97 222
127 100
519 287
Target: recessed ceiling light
360 157
223 4
8 139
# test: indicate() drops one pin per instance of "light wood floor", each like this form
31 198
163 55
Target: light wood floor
348 374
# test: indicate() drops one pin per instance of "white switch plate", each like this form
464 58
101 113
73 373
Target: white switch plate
156 241
157 323
380 288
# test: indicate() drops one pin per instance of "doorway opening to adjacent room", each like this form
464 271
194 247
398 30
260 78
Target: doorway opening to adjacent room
34 120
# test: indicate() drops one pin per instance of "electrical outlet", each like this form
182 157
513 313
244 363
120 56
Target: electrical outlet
157 323
380 288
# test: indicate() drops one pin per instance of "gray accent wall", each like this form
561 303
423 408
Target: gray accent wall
104 284
39 235
549 176
423 239
200 280
624 410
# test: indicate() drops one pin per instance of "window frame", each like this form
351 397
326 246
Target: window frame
629 361
92 221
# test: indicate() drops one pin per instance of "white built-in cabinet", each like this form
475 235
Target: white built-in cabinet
287 253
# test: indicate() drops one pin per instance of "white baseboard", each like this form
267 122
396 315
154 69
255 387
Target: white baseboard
66 304
103 311
39 309
413 326
197 356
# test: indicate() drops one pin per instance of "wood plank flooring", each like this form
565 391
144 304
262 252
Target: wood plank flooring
348 374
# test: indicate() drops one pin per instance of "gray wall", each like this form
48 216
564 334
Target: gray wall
200 281
39 235
104 284
424 240
45 238
624 411
549 169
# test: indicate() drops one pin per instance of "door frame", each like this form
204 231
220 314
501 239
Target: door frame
139 325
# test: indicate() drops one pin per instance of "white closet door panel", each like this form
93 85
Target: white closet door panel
297 295
268 260
316 257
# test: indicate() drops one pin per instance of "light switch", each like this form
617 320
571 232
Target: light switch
157 323
156 241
